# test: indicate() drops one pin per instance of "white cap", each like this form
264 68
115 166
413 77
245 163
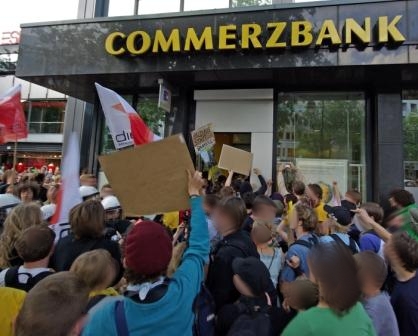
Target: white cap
8 201
110 202
87 191
48 211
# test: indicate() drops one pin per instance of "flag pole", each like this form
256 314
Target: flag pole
15 155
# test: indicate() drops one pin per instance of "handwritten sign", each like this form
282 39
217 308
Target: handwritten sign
203 138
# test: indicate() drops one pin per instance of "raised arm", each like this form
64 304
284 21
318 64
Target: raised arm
370 223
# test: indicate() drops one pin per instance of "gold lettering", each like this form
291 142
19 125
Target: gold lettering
273 41
110 44
132 38
328 32
301 29
160 42
250 33
227 33
386 29
353 28
197 43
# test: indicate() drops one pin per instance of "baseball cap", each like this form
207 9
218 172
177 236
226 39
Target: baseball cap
254 273
342 215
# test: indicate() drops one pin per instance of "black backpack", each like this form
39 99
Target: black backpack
204 310
11 279
307 243
338 240
252 322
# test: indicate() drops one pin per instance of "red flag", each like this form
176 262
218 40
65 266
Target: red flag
12 118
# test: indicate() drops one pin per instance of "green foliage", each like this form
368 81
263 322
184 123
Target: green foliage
152 115
410 125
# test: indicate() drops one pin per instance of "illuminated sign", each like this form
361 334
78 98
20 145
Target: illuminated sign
273 35
10 37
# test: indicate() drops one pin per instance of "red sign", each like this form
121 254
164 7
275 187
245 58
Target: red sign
10 37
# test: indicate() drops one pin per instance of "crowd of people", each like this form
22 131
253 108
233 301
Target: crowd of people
240 261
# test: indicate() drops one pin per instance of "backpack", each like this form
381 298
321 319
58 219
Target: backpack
352 246
11 279
251 322
307 243
204 310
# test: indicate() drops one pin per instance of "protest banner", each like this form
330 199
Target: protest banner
203 138
237 160
152 178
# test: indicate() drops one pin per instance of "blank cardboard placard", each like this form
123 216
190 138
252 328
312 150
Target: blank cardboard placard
237 160
152 178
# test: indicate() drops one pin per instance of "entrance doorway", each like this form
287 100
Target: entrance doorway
237 140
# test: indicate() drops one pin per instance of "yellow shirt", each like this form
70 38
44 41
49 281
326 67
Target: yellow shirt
171 220
11 300
321 213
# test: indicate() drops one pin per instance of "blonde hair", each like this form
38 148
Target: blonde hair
176 258
262 231
93 268
20 218
87 219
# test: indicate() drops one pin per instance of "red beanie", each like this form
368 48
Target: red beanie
148 249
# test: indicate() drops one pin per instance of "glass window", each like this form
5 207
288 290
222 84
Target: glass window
323 134
410 127
45 116
191 5
246 3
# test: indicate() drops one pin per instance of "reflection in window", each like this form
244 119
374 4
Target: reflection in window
410 128
246 3
191 5
324 135
45 116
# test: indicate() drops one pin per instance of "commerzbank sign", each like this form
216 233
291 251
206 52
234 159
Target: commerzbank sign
247 36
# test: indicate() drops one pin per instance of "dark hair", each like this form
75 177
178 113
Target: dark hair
355 195
226 192
374 210
248 198
221 179
298 188
87 219
316 189
406 248
40 178
236 185
234 208
402 197
28 186
305 293
35 243
211 200
307 216
373 265
335 270
261 201
290 198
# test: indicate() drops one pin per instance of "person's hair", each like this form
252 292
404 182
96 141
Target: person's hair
234 208
316 189
226 192
53 306
307 216
106 186
7 174
263 201
211 200
39 178
355 196
28 186
372 264
402 197
262 231
248 198
304 294
176 258
374 210
335 270
298 188
290 198
20 218
92 267
87 219
35 243
406 249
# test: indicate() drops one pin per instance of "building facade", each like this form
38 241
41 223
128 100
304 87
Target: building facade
329 86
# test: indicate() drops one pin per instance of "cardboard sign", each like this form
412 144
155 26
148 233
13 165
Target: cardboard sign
237 160
203 138
152 178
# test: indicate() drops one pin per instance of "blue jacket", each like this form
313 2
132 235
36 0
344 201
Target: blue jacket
173 314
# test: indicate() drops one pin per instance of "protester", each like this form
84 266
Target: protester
34 246
11 301
252 313
115 225
236 243
98 270
88 180
242 186
402 201
40 180
87 226
20 218
209 205
106 190
7 203
338 312
55 306
28 192
262 235
155 304
8 179
372 274
263 209
298 189
315 193
89 193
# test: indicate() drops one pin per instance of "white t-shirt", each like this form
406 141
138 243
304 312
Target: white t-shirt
23 278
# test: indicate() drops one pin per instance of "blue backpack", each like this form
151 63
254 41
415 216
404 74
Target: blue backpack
204 310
